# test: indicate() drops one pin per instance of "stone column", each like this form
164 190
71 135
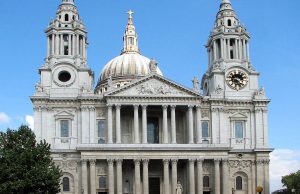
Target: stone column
48 47
165 124
84 176
244 49
77 45
192 176
111 178
73 44
198 122
84 48
56 44
69 44
266 168
93 175
236 49
240 49
137 176
118 123
109 124
174 175
191 125
145 176
217 176
144 123
52 44
222 47
215 50
253 175
61 45
136 124
166 176
225 177
248 51
173 124
200 176
119 177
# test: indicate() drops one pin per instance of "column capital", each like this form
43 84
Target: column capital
92 162
137 161
110 161
217 160
109 105
84 161
119 161
192 159
166 161
144 106
118 106
145 161
200 160
191 106
198 106
173 106
136 106
165 106
174 160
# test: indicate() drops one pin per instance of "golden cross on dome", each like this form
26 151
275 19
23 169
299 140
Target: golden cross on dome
130 12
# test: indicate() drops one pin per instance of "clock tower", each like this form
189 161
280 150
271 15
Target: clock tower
230 74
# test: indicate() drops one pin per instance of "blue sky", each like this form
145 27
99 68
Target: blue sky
173 32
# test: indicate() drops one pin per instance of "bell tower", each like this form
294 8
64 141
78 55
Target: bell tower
65 72
230 73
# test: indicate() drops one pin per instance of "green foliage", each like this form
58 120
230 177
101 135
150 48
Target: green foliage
26 166
292 181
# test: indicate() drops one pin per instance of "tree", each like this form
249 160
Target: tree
292 182
26 166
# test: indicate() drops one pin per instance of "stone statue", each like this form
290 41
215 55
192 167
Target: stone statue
38 87
179 189
153 66
109 82
196 84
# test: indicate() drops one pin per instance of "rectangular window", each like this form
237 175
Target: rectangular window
152 130
205 129
64 128
102 182
101 131
239 129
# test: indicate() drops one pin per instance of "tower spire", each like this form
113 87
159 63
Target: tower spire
130 38
68 2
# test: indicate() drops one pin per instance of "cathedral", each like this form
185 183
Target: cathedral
138 132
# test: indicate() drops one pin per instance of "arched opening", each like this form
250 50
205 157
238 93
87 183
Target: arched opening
229 22
239 183
74 17
206 181
66 184
67 17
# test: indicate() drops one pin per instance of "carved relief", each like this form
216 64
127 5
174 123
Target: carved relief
66 165
205 113
101 170
240 164
156 89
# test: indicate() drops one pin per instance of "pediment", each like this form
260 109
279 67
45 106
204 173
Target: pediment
64 114
156 86
238 116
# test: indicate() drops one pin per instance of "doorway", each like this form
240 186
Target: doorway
206 192
102 193
154 185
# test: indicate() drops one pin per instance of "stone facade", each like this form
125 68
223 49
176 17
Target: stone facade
143 133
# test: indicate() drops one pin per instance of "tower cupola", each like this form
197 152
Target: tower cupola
130 38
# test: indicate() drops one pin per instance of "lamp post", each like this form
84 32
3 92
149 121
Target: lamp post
259 189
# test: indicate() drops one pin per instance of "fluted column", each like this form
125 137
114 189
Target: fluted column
173 124
217 176
191 125
145 176
93 175
56 44
109 124
137 176
200 176
136 124
118 123
84 176
111 178
192 176
144 123
174 175
198 122
166 176
165 124
119 177
225 177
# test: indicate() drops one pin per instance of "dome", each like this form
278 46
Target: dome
127 65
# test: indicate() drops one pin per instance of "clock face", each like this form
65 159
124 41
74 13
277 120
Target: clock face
237 79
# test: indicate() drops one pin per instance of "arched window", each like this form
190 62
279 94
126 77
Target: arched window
206 181
239 183
229 22
66 17
66 184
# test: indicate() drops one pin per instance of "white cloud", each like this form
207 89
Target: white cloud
283 162
30 121
4 118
